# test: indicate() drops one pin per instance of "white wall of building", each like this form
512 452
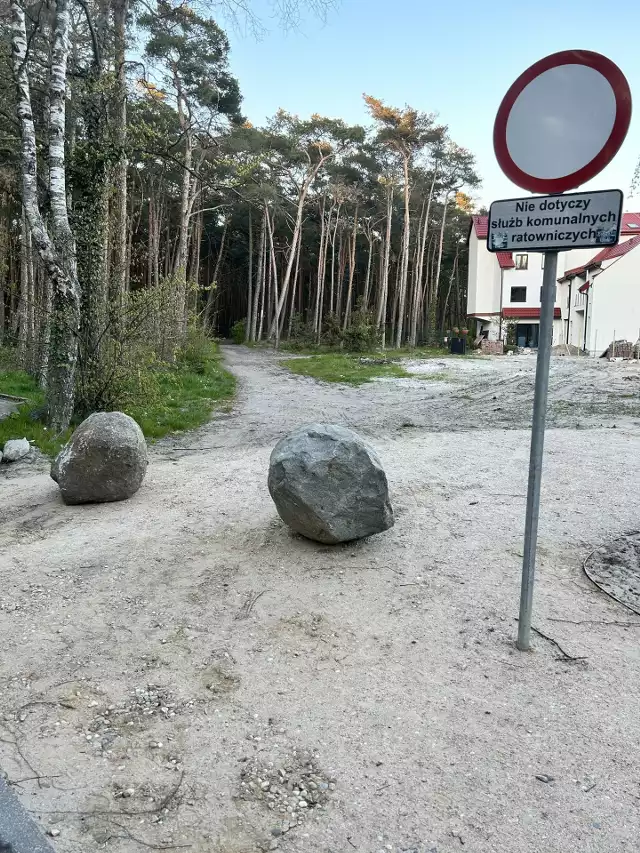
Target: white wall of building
530 279
484 278
614 303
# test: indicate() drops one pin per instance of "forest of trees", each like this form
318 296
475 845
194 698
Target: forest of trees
139 208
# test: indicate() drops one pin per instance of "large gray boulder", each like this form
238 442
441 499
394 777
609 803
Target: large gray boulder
329 485
14 449
105 460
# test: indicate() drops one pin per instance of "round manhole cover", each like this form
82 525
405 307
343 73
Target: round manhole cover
615 568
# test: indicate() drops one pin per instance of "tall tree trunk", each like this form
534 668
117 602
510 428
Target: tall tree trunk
118 278
297 284
433 304
332 308
23 297
367 280
420 265
180 261
404 265
57 250
247 327
259 277
280 299
213 285
454 269
385 258
352 269
274 321
194 269
321 265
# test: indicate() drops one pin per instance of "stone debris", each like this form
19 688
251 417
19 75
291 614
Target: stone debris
14 449
145 706
292 790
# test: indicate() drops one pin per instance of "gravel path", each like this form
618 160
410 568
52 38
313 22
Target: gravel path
167 657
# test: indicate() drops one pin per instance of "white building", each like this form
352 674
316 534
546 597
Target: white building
598 293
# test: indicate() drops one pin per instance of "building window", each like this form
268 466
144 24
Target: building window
527 334
522 262
519 294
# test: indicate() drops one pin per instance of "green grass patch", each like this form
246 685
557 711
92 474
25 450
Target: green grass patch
185 397
345 369
324 349
432 377
24 422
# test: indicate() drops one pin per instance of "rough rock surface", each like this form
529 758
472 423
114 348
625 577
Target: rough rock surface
329 485
14 449
105 460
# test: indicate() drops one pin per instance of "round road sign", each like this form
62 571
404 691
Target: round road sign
562 121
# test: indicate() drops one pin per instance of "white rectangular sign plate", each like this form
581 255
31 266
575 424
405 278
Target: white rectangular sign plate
555 222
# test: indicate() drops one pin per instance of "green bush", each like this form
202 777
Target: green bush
238 331
8 358
195 353
361 335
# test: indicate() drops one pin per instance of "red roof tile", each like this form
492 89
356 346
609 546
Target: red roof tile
528 313
505 259
607 254
575 271
618 251
481 226
630 225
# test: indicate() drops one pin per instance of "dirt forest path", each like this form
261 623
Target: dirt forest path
172 666
468 394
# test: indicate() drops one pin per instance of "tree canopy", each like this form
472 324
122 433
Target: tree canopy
137 203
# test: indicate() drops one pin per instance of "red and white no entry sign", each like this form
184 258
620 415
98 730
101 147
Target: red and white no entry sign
562 121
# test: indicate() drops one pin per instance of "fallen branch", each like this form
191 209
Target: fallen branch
148 844
248 606
565 655
593 622
164 802
15 743
602 589
33 779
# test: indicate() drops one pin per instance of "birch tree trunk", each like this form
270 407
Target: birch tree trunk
367 280
321 265
213 285
404 266
180 263
296 285
57 250
385 258
433 304
247 327
118 276
352 269
23 295
453 275
259 278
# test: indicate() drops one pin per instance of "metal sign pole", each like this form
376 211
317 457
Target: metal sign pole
537 447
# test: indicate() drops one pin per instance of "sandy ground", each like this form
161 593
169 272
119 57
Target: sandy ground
159 653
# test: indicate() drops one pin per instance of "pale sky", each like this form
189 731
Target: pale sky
456 60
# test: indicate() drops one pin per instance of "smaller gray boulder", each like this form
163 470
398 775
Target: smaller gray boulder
14 449
104 460
328 485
